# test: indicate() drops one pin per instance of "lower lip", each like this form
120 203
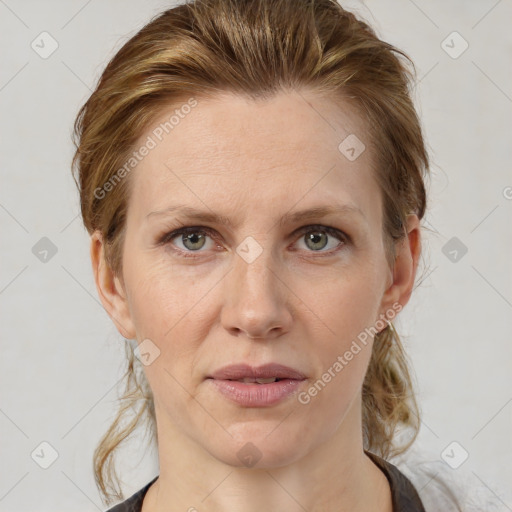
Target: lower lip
257 395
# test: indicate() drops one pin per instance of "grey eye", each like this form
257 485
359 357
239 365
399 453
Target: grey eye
193 241
316 240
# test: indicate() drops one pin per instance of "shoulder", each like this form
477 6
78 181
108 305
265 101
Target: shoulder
134 502
442 488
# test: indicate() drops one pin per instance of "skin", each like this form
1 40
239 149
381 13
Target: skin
298 304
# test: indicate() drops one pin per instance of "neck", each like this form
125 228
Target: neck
336 475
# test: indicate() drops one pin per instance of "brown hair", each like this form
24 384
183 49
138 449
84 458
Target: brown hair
256 48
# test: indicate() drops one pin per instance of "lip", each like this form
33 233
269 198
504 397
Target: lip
240 371
257 395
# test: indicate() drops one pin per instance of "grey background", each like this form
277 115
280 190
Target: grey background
62 357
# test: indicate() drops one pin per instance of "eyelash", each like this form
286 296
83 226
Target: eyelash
166 238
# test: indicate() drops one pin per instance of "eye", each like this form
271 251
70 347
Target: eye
192 239
317 238
188 240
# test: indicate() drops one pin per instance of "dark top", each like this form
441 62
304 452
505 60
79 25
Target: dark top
404 495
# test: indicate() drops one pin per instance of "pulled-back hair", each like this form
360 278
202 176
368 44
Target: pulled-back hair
256 48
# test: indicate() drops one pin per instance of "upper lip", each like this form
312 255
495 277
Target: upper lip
266 371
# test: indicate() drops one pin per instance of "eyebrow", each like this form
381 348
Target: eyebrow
287 218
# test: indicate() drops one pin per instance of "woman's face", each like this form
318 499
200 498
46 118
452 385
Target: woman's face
253 282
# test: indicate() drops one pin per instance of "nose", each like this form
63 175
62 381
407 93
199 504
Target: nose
256 299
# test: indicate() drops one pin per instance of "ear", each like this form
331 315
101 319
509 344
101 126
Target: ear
110 289
407 253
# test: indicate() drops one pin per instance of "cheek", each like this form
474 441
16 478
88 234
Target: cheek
345 302
345 308
162 295
172 307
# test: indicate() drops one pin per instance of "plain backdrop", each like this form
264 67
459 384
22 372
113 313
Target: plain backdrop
62 358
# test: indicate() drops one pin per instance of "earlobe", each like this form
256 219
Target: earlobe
110 289
407 253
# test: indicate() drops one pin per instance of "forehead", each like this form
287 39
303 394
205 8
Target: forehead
234 151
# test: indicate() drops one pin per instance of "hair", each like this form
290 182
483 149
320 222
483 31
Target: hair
256 48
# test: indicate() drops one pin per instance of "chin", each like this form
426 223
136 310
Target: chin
255 448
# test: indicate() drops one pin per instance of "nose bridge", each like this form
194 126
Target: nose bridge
255 301
254 269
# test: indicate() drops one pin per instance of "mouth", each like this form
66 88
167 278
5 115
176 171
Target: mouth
265 374
249 380
261 386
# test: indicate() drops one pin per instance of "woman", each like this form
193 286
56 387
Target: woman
251 174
